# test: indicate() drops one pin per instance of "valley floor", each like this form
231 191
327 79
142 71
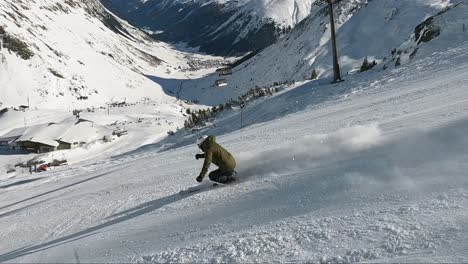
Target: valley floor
372 170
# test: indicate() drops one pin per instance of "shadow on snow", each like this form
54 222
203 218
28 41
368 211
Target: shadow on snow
57 190
121 217
177 88
19 183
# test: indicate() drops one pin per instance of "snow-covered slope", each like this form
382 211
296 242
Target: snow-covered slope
215 26
60 56
386 31
372 169
63 53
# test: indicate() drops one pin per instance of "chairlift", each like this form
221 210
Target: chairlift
221 82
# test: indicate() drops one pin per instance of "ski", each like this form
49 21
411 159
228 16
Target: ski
201 187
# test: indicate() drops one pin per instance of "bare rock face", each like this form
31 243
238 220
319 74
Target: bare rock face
426 31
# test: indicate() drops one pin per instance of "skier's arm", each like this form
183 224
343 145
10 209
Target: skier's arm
200 156
206 164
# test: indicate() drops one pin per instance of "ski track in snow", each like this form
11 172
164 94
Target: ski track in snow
376 234
389 184
372 169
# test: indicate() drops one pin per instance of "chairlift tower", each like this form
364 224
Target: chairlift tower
336 65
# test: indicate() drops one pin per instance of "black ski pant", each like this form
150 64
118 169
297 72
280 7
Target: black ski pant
221 176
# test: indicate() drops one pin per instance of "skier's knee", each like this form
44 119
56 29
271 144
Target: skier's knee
223 179
212 176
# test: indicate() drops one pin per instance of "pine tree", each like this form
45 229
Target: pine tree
366 65
314 75
398 62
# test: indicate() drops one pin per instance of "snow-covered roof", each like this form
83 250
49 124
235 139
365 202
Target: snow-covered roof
82 132
44 134
15 133
68 131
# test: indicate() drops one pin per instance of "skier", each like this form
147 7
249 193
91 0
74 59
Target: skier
214 153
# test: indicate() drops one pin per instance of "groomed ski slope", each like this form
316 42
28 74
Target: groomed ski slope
372 170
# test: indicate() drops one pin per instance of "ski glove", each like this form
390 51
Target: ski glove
200 156
199 179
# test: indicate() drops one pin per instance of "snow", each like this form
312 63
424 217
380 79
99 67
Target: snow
84 132
247 24
283 12
369 170
87 59
69 131
14 133
77 55
146 122
47 133
365 29
372 169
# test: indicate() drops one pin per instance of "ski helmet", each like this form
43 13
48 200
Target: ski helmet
201 139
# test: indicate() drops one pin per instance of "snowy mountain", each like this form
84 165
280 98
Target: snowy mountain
369 170
215 26
60 58
386 31
67 54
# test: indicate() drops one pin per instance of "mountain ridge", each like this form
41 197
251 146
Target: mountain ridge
215 26
55 52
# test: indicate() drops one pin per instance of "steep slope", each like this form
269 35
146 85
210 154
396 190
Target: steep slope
365 29
369 170
215 26
59 53
379 30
